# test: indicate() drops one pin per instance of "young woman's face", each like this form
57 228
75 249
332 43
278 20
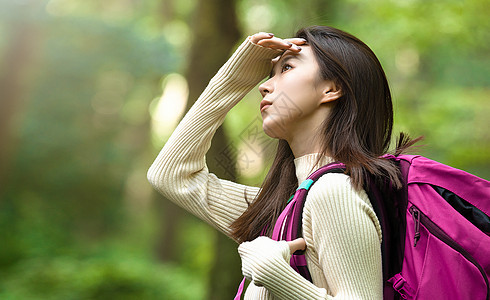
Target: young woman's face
292 94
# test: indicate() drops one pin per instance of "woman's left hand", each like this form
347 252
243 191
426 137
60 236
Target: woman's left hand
263 255
297 244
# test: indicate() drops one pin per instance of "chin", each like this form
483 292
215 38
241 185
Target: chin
270 134
272 131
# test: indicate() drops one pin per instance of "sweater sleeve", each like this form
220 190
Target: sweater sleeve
341 229
180 172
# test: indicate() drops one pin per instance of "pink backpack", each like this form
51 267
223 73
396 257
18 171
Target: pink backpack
436 242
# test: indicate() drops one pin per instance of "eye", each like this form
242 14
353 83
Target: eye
286 67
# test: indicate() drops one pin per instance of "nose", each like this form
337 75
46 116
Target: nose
266 87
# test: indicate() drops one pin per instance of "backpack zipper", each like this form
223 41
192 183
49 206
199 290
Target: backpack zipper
419 217
416 219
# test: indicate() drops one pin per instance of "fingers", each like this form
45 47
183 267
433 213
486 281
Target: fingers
297 244
296 41
260 36
280 44
268 40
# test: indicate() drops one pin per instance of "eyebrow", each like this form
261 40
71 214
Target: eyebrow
288 56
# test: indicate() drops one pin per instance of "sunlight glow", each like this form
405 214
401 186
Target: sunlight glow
249 163
167 110
60 7
259 17
407 61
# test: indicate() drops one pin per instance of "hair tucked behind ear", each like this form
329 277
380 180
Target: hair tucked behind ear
357 131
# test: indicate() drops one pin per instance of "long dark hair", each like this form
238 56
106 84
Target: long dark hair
357 131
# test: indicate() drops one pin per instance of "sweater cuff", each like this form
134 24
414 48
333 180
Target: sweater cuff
266 263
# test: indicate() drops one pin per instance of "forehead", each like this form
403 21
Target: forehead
305 54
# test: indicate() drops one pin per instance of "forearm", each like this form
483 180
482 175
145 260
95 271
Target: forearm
180 172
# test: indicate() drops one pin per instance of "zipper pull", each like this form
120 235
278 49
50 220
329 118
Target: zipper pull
416 218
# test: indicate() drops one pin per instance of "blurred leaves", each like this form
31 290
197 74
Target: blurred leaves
77 217
78 135
117 277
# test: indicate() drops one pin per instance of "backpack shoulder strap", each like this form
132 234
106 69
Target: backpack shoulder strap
289 224
302 193
290 218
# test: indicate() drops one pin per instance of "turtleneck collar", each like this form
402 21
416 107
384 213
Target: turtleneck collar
305 165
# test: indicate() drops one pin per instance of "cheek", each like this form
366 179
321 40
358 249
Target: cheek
311 93
298 98
296 95
286 107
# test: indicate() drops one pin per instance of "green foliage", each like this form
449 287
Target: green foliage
117 277
77 139
83 130
196 247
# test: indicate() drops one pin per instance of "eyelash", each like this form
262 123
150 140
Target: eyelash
285 65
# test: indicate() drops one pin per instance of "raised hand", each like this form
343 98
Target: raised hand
270 41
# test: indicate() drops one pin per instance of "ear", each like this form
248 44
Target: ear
330 93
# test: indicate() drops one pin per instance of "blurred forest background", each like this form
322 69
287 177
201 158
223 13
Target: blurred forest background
90 91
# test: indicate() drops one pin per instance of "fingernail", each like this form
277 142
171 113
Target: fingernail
304 40
271 34
289 43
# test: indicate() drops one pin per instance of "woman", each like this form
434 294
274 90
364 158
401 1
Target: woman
342 111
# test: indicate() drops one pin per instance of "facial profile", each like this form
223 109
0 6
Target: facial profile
294 96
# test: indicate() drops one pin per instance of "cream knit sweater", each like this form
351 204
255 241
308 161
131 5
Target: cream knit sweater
342 233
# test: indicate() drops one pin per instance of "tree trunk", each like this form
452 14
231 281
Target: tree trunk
19 57
215 32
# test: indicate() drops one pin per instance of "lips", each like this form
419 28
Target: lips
264 104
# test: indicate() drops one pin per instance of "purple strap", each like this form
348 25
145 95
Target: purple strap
240 290
280 221
401 286
289 221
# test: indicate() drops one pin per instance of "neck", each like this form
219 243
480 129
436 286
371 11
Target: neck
304 137
304 143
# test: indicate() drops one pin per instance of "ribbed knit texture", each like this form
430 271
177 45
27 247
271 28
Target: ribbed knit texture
340 228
